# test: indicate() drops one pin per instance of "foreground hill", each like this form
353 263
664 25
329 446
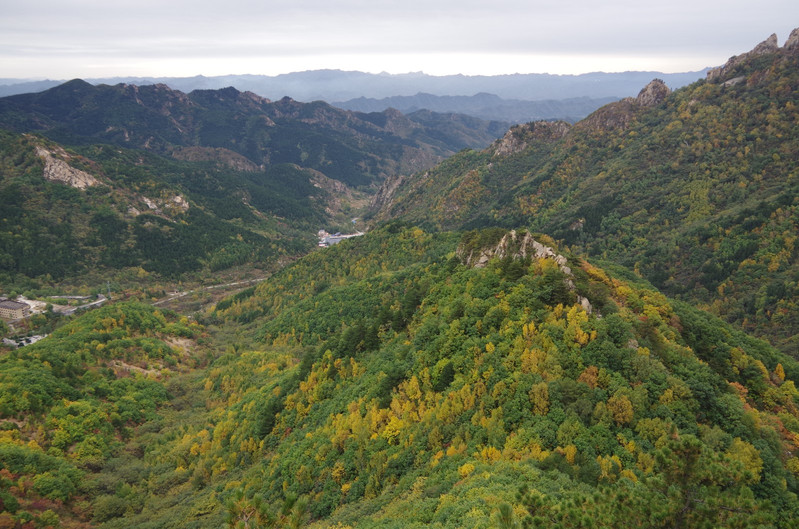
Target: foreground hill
404 379
695 189
356 149
71 401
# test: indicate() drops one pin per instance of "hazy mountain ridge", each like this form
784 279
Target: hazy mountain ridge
358 149
695 189
516 98
338 85
483 106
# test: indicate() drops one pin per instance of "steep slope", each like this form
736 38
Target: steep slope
96 213
695 189
70 401
404 379
357 149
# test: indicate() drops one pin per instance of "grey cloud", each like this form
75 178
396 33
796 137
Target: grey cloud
302 28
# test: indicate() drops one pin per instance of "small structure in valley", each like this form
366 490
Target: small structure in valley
13 310
326 239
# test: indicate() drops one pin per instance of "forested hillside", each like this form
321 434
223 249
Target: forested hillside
695 190
408 379
72 401
90 214
118 182
354 148
527 370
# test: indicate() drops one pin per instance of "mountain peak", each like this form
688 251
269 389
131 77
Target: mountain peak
768 46
793 41
653 93
519 137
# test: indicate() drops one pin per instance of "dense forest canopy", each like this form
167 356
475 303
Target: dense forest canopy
695 190
388 381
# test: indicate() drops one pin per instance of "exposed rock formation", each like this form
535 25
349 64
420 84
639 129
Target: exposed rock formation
385 194
163 206
519 137
57 170
770 45
515 246
653 93
518 246
793 40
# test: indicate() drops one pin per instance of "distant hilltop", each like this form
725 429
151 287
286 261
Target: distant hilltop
516 98
338 85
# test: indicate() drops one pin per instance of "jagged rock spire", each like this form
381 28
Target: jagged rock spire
770 45
653 93
793 40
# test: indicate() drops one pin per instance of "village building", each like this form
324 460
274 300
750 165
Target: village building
326 240
13 310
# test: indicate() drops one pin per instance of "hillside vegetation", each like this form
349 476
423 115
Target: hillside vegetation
71 401
144 214
118 182
354 148
407 379
528 370
696 189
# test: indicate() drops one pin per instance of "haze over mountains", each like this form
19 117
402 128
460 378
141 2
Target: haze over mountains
455 93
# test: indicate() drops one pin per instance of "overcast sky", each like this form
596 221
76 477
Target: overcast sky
64 39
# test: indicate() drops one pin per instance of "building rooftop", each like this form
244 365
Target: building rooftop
12 305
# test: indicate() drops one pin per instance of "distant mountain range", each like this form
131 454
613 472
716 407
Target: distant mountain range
344 86
354 148
177 183
484 106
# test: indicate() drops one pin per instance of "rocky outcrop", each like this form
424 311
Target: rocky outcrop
58 170
219 155
770 45
519 137
792 44
165 206
521 246
385 194
515 246
653 94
